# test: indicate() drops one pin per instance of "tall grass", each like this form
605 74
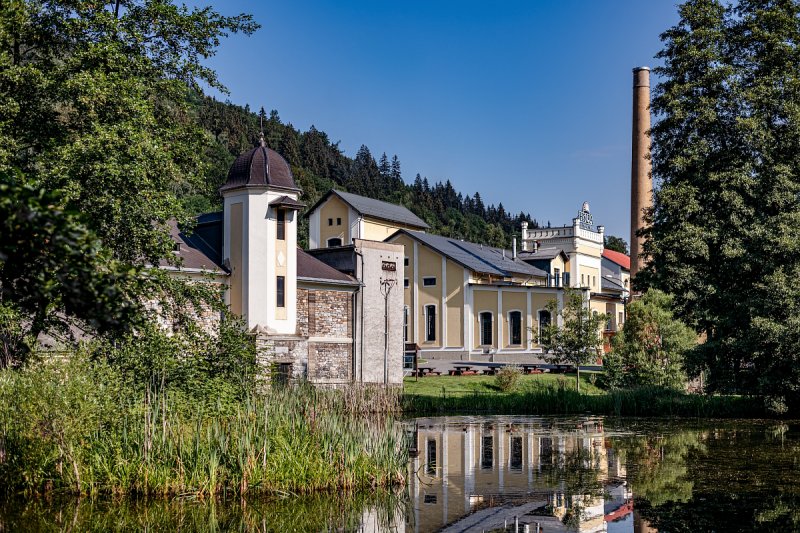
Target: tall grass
73 427
646 401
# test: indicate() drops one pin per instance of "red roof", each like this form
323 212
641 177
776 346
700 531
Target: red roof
619 258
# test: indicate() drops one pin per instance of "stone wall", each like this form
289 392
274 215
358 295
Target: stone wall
321 351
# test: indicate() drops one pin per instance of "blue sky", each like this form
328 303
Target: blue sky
527 102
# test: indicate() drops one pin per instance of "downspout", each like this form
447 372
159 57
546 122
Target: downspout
353 330
361 321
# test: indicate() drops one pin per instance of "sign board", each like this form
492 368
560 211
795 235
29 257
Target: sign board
389 266
585 217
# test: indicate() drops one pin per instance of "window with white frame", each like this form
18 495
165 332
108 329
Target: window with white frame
544 323
430 323
429 281
515 328
485 322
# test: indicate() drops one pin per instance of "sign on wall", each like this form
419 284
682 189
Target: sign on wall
389 266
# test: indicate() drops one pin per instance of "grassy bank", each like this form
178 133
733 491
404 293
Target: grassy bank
74 428
545 394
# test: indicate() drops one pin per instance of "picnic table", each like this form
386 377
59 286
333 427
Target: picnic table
423 371
462 370
492 369
531 369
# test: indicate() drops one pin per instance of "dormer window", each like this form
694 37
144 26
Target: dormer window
281 216
176 247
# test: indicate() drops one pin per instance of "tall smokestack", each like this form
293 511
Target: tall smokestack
641 168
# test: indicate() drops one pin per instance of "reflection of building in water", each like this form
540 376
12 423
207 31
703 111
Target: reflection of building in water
464 468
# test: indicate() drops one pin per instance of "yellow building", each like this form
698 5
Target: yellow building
339 217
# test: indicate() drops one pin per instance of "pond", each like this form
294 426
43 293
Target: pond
586 474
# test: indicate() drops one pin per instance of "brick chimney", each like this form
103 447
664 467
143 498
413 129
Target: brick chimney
641 168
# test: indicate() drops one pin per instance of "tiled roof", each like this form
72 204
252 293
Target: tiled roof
619 258
483 259
193 253
376 208
310 268
542 253
285 201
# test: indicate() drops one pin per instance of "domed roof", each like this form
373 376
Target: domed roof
260 167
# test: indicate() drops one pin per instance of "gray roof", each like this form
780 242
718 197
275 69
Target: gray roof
376 208
542 253
483 259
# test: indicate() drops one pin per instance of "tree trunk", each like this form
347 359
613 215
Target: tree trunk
578 378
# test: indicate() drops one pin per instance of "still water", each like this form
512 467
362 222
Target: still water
587 474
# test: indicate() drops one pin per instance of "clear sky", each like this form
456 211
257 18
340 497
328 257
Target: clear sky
527 102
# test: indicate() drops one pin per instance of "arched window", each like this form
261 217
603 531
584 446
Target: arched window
430 323
335 241
515 328
544 323
485 320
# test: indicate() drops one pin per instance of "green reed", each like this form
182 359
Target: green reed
69 430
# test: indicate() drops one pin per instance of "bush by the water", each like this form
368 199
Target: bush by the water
77 426
507 378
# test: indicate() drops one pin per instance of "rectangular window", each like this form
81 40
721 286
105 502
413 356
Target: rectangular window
557 276
330 222
594 281
583 281
281 216
429 282
430 467
515 328
486 328
515 459
405 282
621 318
487 452
430 323
405 324
405 261
338 221
280 291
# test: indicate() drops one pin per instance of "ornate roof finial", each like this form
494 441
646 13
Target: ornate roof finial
261 140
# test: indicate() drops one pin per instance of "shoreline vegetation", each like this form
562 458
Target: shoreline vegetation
74 427
547 394
69 428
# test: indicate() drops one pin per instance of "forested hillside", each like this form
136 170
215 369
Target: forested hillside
318 165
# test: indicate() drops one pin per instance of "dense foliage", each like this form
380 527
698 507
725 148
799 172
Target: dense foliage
652 346
725 229
319 164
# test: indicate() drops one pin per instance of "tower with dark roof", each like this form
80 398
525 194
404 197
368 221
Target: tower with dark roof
260 239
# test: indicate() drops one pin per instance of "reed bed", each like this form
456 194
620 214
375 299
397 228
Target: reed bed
66 429
552 401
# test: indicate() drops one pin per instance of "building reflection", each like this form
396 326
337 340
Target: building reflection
473 474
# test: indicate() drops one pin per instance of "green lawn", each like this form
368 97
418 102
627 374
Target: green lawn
459 385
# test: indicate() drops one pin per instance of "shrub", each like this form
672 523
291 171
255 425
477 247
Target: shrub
507 378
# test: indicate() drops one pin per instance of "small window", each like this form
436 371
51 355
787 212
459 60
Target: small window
487 452
430 463
330 222
594 281
515 328
405 323
405 261
583 281
429 282
281 216
280 291
338 221
485 320
621 319
557 276
430 323
515 461
333 242
405 282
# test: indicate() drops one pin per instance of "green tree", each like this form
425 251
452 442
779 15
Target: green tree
573 336
651 348
724 235
617 244
54 274
95 104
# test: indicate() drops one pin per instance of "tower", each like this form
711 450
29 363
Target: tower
641 168
260 240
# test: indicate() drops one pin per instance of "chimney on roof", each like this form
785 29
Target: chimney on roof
513 247
524 234
641 167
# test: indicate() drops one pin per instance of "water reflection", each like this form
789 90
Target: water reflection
481 473
592 474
